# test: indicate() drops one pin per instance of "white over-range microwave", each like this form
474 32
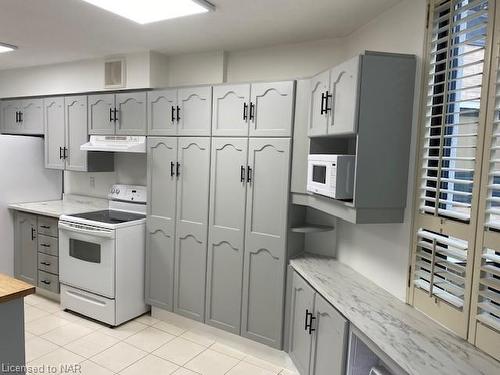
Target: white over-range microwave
331 175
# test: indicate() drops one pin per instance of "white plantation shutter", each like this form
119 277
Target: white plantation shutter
493 199
489 289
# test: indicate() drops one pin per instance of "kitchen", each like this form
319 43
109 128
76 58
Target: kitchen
292 191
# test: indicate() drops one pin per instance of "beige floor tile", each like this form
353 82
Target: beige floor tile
90 345
149 339
37 347
32 313
57 360
124 331
146 319
91 368
225 349
263 364
49 306
67 333
35 299
76 318
185 371
199 337
170 328
289 372
118 357
245 368
211 363
45 324
150 365
179 351
28 336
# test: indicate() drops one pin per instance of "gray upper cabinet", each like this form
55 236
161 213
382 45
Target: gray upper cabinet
193 185
162 192
162 111
10 116
76 132
22 116
226 232
100 114
194 108
230 111
318 116
265 243
271 109
54 133
130 115
25 247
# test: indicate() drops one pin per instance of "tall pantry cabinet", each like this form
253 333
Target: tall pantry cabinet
217 217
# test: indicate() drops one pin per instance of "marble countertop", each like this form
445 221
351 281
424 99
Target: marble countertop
11 288
70 204
415 342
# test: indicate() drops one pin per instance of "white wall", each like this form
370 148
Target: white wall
197 69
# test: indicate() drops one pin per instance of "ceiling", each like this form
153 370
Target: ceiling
53 31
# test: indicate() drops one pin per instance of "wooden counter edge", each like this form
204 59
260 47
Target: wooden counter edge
11 288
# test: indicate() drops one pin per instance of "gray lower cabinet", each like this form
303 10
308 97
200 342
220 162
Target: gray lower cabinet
318 332
25 247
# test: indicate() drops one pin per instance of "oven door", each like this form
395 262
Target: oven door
87 258
319 178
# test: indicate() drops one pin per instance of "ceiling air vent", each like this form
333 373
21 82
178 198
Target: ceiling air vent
114 74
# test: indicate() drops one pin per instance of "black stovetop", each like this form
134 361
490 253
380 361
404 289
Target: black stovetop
110 216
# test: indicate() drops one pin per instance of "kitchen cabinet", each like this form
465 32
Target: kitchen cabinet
318 332
22 116
184 112
228 187
265 239
257 110
25 247
65 120
117 114
318 117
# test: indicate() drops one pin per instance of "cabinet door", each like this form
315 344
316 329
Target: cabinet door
231 110
54 132
160 240
100 117
9 120
25 245
32 116
302 302
131 113
271 114
345 97
265 239
192 225
76 132
162 107
194 111
226 233
329 350
318 116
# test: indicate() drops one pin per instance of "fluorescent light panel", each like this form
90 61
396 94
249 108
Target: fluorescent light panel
6 47
148 11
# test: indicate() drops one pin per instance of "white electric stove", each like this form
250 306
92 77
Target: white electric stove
101 258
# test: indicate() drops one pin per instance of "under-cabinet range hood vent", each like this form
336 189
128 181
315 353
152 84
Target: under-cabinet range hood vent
115 144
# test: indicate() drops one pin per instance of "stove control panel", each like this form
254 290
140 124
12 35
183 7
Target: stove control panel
128 193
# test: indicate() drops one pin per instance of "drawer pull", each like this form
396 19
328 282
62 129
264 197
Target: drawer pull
44 226
45 282
45 263
44 245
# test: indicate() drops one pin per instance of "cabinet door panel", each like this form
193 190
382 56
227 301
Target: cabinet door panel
318 117
76 132
195 105
161 112
273 112
54 132
226 232
160 240
99 117
32 119
265 240
192 226
344 103
25 243
302 300
9 119
131 113
329 341
230 110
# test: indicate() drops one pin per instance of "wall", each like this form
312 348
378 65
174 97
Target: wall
197 69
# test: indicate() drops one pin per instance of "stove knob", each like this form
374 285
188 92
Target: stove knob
117 191
113 191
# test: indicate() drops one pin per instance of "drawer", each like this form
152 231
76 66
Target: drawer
48 245
88 304
48 226
48 281
48 263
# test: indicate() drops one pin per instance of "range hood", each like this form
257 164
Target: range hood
111 143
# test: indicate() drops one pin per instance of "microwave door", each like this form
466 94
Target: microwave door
319 174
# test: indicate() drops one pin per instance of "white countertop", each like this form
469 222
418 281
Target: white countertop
415 342
70 204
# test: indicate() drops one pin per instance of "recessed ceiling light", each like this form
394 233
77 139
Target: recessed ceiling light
147 11
6 47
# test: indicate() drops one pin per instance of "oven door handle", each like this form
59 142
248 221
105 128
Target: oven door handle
78 228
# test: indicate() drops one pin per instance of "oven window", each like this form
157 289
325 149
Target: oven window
86 251
319 174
